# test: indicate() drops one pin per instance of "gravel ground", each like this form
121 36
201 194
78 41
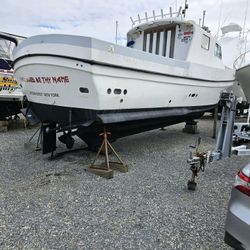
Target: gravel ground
55 204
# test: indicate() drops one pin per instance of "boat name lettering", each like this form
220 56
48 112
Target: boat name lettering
42 79
44 94
51 94
36 93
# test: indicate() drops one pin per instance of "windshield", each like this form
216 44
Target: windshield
6 48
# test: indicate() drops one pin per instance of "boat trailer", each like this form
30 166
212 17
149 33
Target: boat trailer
229 132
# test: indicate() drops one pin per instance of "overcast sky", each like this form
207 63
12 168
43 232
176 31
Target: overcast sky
97 18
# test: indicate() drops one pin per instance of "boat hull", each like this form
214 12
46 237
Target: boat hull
96 84
9 108
11 96
146 119
243 76
59 82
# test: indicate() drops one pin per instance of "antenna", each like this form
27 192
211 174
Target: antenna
116 31
185 9
244 26
219 21
179 12
203 18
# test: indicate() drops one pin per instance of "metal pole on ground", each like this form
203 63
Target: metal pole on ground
215 121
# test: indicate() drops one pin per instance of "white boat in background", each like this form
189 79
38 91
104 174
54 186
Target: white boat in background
11 95
171 71
242 67
243 76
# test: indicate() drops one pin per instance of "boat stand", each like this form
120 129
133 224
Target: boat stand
106 168
38 142
191 127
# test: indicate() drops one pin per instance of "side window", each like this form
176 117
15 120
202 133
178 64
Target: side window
205 42
217 50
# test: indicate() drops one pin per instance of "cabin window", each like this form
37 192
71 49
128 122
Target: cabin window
157 43
151 42
165 38
217 51
160 41
205 42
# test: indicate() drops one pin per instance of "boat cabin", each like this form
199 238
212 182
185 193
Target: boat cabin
177 39
7 43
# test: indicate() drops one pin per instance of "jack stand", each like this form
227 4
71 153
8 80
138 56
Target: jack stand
215 116
38 142
106 168
197 163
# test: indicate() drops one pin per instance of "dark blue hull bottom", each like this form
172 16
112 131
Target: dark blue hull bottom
88 124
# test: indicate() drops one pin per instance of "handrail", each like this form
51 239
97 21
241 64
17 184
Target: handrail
241 56
156 17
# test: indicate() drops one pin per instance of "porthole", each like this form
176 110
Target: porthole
117 91
84 90
125 91
109 91
169 101
121 100
193 95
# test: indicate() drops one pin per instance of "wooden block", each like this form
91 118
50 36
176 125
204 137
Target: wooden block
15 124
3 129
191 129
119 166
108 174
3 123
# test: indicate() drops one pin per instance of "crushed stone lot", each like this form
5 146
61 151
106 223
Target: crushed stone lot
56 204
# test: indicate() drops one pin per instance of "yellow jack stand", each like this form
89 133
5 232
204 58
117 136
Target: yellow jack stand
106 168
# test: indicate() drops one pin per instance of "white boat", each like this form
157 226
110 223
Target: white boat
11 95
242 66
243 76
171 71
